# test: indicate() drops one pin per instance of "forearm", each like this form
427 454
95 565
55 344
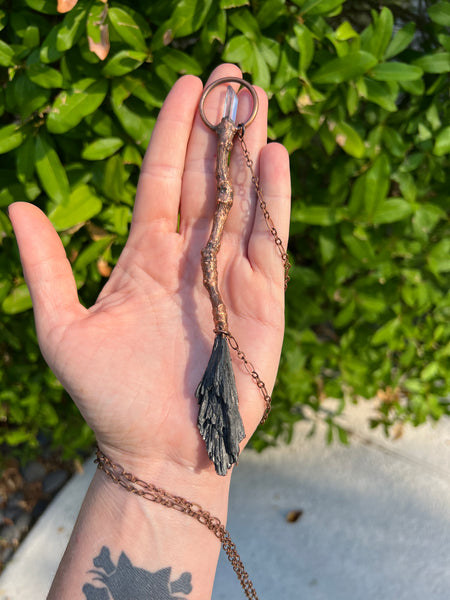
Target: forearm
136 546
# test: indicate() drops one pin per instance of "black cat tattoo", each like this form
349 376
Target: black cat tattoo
127 582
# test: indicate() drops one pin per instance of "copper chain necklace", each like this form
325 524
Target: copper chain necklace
226 131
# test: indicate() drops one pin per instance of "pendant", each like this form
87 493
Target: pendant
219 421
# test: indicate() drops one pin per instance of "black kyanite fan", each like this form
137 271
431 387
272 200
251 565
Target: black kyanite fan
219 421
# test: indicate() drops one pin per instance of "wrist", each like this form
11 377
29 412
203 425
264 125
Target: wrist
150 478
148 535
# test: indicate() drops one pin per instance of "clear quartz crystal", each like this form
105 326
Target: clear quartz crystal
231 104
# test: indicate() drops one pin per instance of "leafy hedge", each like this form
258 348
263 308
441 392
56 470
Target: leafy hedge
360 98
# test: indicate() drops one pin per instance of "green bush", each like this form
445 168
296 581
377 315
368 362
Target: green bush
359 97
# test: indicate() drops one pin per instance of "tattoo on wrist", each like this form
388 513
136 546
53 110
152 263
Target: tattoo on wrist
124 581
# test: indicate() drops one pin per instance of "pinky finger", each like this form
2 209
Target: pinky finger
276 194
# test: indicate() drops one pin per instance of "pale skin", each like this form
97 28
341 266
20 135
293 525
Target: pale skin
133 360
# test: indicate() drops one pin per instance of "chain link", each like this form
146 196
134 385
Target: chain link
150 492
262 203
248 366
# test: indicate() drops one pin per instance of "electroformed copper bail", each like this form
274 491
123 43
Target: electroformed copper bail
228 80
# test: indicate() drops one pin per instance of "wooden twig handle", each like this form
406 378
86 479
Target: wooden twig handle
226 130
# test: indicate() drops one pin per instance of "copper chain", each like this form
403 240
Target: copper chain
251 371
262 203
287 265
150 492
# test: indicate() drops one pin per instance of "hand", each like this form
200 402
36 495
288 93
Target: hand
132 361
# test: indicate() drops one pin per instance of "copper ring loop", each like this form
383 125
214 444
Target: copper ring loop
218 82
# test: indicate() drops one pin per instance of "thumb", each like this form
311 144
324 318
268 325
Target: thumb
46 268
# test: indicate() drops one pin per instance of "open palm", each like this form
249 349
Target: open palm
133 360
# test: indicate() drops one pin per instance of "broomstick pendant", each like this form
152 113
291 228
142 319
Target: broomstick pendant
219 421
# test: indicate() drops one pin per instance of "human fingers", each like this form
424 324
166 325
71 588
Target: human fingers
240 219
199 183
262 251
46 268
159 188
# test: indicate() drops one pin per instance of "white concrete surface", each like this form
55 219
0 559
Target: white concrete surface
375 522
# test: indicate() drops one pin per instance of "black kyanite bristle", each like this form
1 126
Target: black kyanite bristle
219 421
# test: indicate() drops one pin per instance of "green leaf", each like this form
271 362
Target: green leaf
82 205
394 142
377 184
260 69
50 170
316 215
345 32
237 50
327 244
386 332
127 28
44 6
17 301
319 7
3 19
6 55
45 76
426 217
188 16
49 52
434 63
132 156
134 118
92 252
391 211
71 107
25 157
345 68
377 92
430 371
12 193
305 43
407 184
226 4
415 88
433 117
348 139
246 23
23 97
270 52
269 11
361 249
444 40
97 30
401 40
31 37
11 136
123 62
71 28
442 143
439 257
216 27
102 124
440 13
117 219
180 62
382 33
396 71
328 140
102 148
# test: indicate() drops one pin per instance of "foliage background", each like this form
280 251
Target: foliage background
360 97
